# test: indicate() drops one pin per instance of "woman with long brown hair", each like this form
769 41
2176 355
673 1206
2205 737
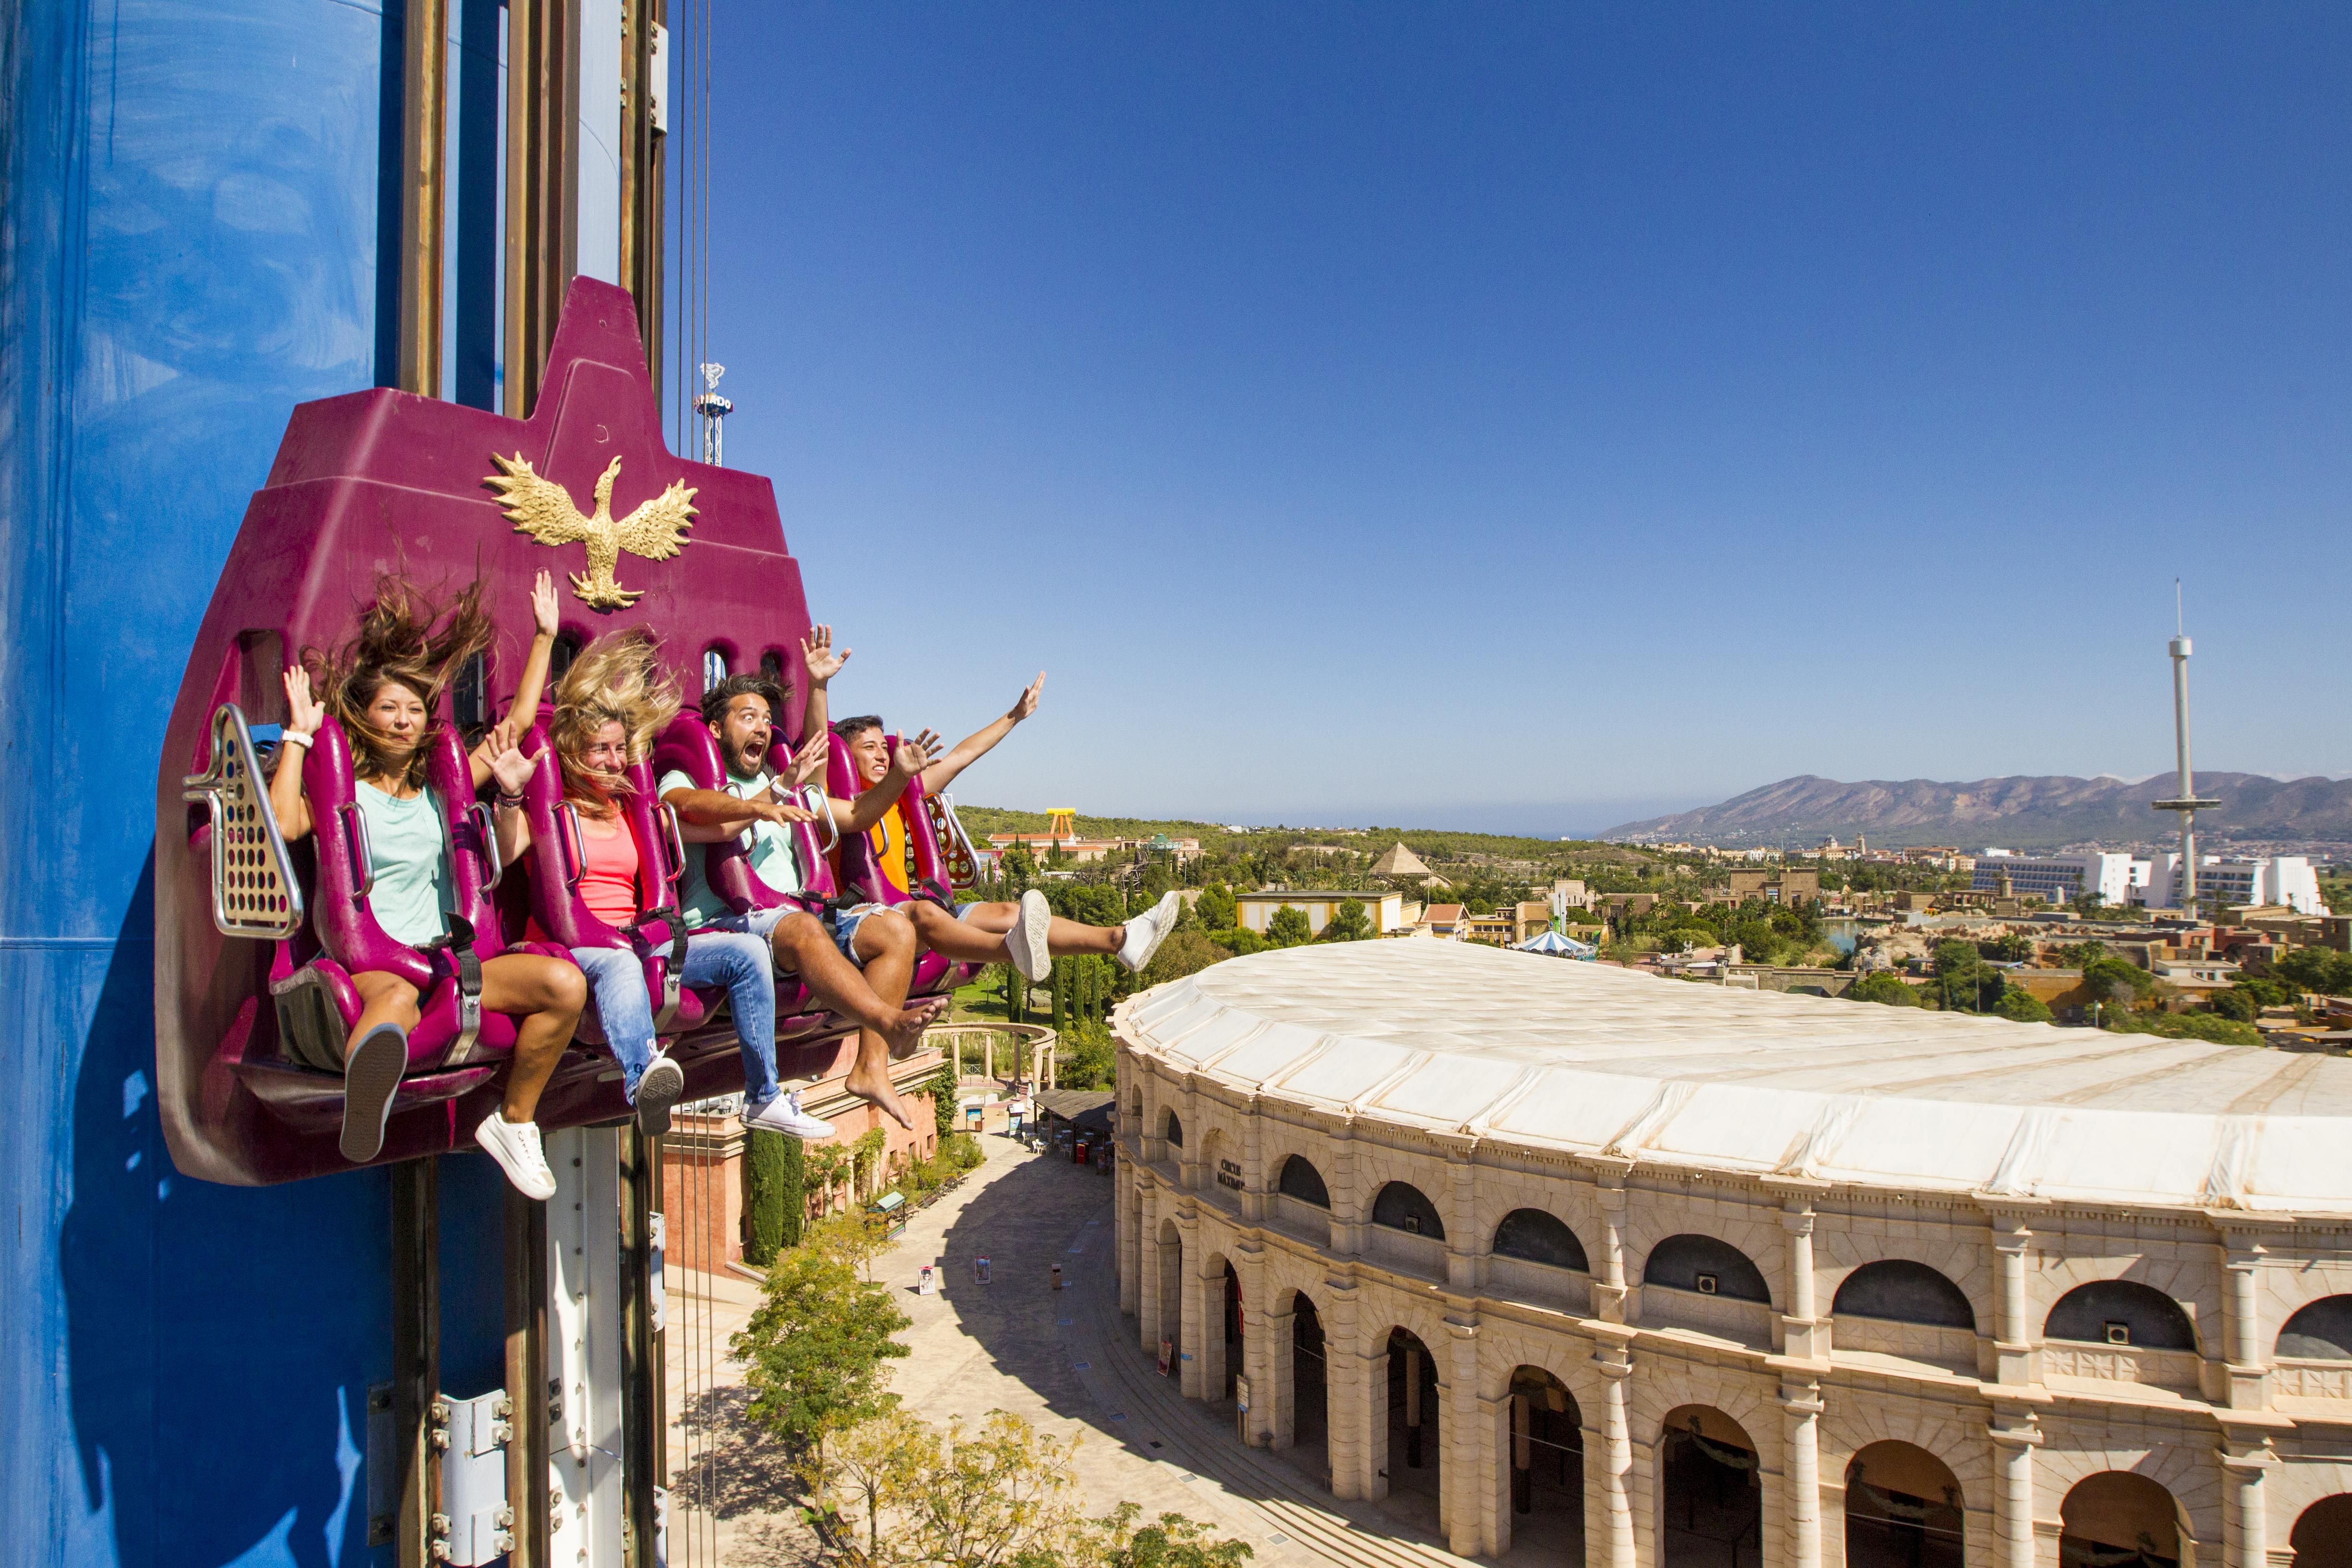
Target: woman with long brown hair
385 686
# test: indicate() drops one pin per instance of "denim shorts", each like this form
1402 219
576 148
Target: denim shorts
757 923
844 929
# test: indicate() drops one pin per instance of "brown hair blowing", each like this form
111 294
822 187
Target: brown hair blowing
408 636
616 680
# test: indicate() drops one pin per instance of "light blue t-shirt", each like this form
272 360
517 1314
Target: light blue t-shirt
766 845
408 845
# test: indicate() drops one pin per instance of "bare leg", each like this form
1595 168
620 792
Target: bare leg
802 946
979 936
886 945
548 994
383 999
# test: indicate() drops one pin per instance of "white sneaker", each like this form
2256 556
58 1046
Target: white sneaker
516 1147
657 1091
1025 942
784 1114
1147 930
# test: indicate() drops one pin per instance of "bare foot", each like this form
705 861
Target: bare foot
906 1036
873 1084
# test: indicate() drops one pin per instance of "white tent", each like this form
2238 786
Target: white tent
1558 946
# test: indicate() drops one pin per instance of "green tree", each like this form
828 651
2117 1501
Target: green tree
2117 982
1183 952
1884 988
812 1353
775 1194
1172 1540
1215 907
2320 968
945 1087
1288 927
1241 942
1086 1059
2022 1007
1348 922
2014 948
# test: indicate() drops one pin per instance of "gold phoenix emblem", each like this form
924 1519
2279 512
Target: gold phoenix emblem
542 509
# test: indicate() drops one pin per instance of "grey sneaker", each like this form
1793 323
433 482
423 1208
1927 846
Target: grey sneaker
657 1091
1025 942
372 1071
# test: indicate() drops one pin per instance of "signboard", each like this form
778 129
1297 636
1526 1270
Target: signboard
927 1283
1242 1395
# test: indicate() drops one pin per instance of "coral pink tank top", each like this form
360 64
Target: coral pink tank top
608 875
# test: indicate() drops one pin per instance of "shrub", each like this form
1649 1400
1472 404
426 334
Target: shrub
2210 1026
2022 1007
1882 988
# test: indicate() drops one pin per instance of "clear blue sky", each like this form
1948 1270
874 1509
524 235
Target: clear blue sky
1527 417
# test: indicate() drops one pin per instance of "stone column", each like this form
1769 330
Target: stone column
1193 1342
2245 1345
2015 1435
1609 1280
1131 1179
1496 1445
1272 1350
1347 1208
1466 1438
1254 1200
1189 1166
2245 1534
1150 1136
2016 1338
1805 1334
1609 1465
1800 1403
1353 1373
1147 1274
1464 1245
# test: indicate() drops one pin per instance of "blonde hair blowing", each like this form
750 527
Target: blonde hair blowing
616 680
404 636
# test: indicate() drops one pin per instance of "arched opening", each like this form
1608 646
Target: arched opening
1706 1266
1302 1181
714 664
1172 1299
1903 1509
1711 1502
1547 1463
2120 1312
1401 1206
1897 1290
1309 1379
1173 1130
1535 1237
771 665
559 657
2117 1519
2321 1536
2319 1331
1414 1428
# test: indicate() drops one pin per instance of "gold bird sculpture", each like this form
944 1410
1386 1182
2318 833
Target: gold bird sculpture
542 509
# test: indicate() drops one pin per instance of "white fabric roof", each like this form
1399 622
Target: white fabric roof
1592 1058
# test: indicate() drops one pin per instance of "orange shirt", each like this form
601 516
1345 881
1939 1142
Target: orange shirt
889 839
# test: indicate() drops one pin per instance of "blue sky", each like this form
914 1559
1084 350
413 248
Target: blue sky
1527 417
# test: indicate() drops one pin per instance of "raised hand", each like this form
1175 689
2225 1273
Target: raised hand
915 752
308 712
508 764
543 604
816 652
808 768
1027 703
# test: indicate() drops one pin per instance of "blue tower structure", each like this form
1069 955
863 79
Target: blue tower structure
217 212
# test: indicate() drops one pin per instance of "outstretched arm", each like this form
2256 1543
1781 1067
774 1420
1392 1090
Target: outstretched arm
287 802
823 664
709 816
974 746
534 671
909 760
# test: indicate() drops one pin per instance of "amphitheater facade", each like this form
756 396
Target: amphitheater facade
1659 1274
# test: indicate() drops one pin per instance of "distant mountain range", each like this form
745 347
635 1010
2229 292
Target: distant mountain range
2017 812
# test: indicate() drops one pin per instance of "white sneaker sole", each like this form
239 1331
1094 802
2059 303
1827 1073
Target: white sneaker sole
535 1182
781 1119
656 1092
371 1079
1025 944
1162 918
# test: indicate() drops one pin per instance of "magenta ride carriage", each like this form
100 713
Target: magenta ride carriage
256 940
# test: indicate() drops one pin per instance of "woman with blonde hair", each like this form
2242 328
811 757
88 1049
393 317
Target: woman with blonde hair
609 706
384 688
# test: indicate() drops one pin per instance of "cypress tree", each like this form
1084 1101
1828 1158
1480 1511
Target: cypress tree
775 1194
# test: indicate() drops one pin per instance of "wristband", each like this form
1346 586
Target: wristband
510 802
294 738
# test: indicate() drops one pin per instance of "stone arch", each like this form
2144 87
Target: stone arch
1410 1426
2110 1511
1299 1179
1171 1242
1213 1144
1171 1128
1904 1508
1702 1265
1401 1206
1308 1375
2319 1331
1538 1236
1710 1498
1226 1321
1546 1459
2120 1312
1897 1289
2321 1536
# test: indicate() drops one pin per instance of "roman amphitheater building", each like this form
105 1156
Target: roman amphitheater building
1662 1274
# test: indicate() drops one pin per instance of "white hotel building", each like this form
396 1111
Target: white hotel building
1647 1274
2287 880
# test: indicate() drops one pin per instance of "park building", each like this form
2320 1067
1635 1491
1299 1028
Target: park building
1577 1261
2062 879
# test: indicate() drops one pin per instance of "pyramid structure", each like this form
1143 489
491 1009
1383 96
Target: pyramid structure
1403 865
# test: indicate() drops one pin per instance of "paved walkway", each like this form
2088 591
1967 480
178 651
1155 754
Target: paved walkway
1067 1361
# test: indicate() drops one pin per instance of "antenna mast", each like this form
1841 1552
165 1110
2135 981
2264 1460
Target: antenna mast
2186 803
713 409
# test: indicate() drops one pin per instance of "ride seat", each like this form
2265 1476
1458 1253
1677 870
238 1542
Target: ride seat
930 873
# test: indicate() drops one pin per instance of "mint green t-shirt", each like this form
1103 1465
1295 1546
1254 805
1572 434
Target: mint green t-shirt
767 846
408 845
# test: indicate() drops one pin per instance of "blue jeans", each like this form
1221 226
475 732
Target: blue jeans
731 959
